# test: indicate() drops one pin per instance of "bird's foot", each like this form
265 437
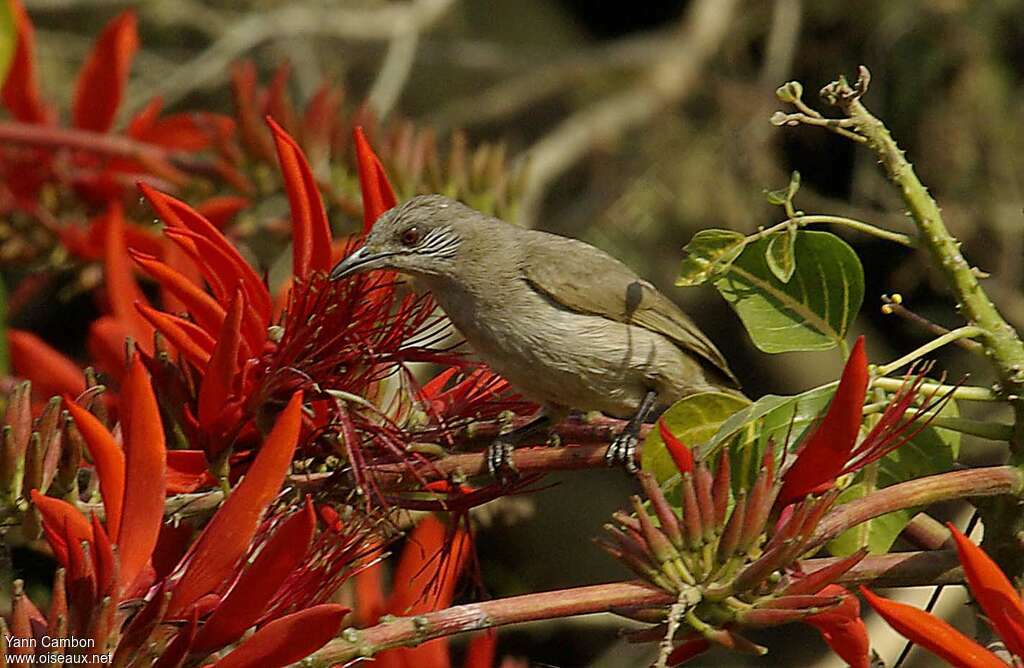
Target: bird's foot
622 451
499 461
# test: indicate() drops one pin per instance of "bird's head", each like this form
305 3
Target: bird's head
420 237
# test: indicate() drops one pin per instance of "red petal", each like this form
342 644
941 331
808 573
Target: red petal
106 345
420 588
370 603
51 372
122 290
482 650
193 343
187 471
220 375
226 538
20 92
143 121
992 590
932 633
207 313
249 596
827 450
843 629
222 209
680 454
378 196
106 564
103 77
146 465
234 268
109 461
192 131
311 233
287 640
691 646
60 519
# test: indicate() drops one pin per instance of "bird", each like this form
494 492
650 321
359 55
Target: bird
566 324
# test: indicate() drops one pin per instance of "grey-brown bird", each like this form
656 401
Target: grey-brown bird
568 325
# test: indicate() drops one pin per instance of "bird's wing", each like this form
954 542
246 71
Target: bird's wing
588 280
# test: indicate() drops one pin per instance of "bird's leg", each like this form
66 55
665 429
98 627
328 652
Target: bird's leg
499 452
622 451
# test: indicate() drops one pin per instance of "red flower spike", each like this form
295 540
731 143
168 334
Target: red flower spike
932 633
843 629
993 591
311 233
109 460
102 79
226 538
122 290
378 196
174 655
20 92
146 466
50 371
248 597
680 454
828 448
60 518
287 640
218 381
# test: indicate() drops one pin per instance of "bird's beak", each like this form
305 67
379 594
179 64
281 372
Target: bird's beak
360 260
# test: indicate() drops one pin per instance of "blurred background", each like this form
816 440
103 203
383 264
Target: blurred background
631 126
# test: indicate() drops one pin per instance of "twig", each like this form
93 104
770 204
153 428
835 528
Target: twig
668 81
893 305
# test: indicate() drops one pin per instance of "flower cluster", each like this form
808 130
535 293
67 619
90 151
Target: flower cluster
731 556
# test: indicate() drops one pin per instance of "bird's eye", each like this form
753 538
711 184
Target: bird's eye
410 236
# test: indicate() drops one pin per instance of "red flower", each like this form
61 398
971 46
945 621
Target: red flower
680 453
1000 602
99 89
241 571
832 449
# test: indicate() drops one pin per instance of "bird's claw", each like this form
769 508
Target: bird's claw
622 451
499 461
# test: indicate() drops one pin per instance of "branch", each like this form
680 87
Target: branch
900 569
974 483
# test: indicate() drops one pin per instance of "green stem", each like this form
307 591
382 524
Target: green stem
1003 346
853 224
967 393
966 332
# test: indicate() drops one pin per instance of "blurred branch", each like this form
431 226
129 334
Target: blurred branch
550 78
211 66
783 37
394 73
668 81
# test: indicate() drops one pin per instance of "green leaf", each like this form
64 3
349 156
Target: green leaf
708 255
694 419
932 451
8 39
810 312
781 254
